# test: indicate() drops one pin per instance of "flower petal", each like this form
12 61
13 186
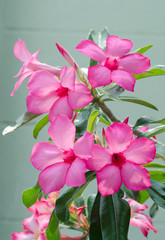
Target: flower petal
22 236
92 50
99 76
45 154
140 151
118 47
53 177
67 77
31 224
137 207
134 63
62 132
123 79
100 158
76 173
135 177
36 66
43 83
118 136
21 52
108 180
83 146
40 105
79 98
61 106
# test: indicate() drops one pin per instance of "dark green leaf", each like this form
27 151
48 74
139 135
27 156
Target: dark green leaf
52 231
154 165
95 228
153 131
90 202
144 121
143 49
29 196
153 210
79 202
113 90
114 217
130 193
68 195
157 193
155 71
92 121
99 37
40 125
22 120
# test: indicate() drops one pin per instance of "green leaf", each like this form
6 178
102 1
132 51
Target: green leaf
92 121
29 196
157 193
114 217
155 71
153 210
157 176
113 90
153 131
130 193
22 120
143 49
90 202
144 121
40 125
79 202
67 196
99 37
52 231
160 151
143 196
154 165
137 101
95 231
103 118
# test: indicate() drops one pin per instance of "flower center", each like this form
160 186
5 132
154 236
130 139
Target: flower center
118 159
62 91
69 156
112 64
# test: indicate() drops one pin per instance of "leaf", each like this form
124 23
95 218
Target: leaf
113 90
90 202
153 210
143 196
79 202
25 118
154 165
67 196
92 121
160 151
157 193
52 231
143 49
153 131
114 217
40 125
137 101
99 37
95 231
29 196
155 71
130 193
144 121
157 176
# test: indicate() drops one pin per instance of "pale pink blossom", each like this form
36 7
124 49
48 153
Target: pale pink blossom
62 163
115 65
48 94
122 161
139 219
30 64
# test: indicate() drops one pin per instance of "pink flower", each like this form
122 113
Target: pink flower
139 219
47 93
64 163
115 65
30 64
122 161
34 228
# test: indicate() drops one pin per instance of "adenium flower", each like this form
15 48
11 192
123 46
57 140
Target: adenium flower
122 161
64 163
115 65
140 220
30 64
48 94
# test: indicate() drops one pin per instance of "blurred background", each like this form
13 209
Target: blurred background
40 23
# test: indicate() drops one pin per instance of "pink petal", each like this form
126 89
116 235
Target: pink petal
118 136
45 154
137 207
62 132
79 98
123 79
108 180
61 106
67 56
40 105
100 158
31 224
53 177
135 177
76 173
44 221
42 207
20 81
83 146
118 47
65 237
99 76
22 236
43 83
42 66
21 52
67 77
92 50
134 63
140 151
